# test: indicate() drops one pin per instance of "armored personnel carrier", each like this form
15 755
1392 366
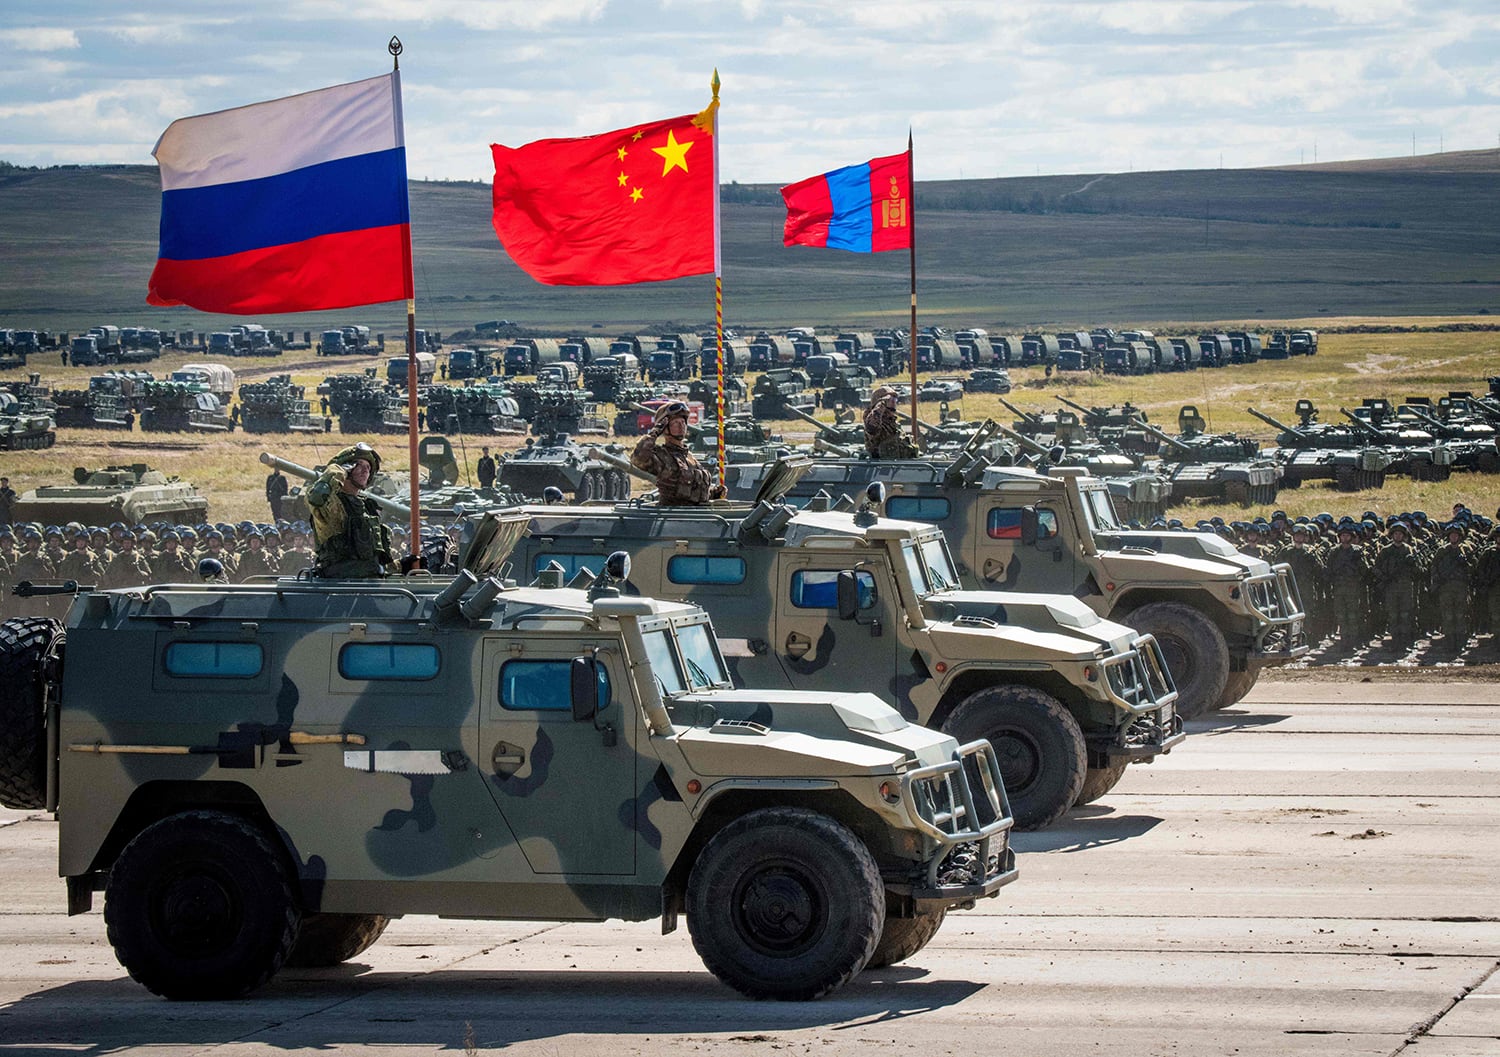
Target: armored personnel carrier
820 598
779 389
1204 465
1220 616
1316 451
132 494
253 784
276 406
556 462
183 407
23 429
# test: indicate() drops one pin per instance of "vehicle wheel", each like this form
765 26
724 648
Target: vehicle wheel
1038 743
1194 648
1100 780
622 486
903 937
1236 687
785 903
328 939
586 485
27 646
200 906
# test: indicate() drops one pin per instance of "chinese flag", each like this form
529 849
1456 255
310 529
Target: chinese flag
631 206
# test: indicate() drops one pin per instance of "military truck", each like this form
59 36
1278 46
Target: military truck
1219 615
777 350
480 361
268 787
820 598
525 355
397 367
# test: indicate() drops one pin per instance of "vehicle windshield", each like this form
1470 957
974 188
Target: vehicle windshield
1100 512
663 660
940 573
914 570
700 654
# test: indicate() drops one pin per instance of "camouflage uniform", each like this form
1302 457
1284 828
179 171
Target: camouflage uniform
1347 575
680 479
81 565
255 561
173 565
352 541
1452 567
1307 566
1486 581
128 568
1396 570
32 565
883 436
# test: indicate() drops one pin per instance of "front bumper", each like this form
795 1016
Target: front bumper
961 805
1277 605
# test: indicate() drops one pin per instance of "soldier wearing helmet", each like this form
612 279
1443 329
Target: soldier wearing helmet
1397 570
351 541
680 479
883 436
1450 573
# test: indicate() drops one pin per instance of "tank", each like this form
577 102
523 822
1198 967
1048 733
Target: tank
1319 451
23 429
1224 466
779 389
133 494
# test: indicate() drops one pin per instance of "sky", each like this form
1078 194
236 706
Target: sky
992 88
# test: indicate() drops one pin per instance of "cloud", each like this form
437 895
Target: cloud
39 38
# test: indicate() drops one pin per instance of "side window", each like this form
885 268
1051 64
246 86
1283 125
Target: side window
388 660
818 588
1004 523
214 660
543 686
705 569
918 508
571 563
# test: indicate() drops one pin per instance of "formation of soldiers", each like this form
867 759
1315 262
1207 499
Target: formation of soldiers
1398 578
121 555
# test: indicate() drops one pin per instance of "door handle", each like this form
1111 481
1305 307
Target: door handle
797 645
507 758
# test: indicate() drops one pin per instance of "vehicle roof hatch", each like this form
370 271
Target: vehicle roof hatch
780 478
494 539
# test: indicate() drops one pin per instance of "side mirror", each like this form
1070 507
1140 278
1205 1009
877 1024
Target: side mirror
1029 525
848 595
583 684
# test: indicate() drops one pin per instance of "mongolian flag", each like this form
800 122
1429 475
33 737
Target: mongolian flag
631 206
864 208
290 205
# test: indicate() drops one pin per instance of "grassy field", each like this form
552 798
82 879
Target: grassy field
1349 367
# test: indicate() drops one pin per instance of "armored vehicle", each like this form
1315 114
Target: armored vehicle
846 430
1205 465
1316 451
1219 616
607 375
820 599
779 389
566 411
941 389
1470 440
132 494
483 409
111 401
183 407
372 408
23 429
705 391
270 784
556 462
850 386
276 406
988 380
1137 494
1415 452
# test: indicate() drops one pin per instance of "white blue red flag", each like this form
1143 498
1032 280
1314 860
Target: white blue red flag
290 205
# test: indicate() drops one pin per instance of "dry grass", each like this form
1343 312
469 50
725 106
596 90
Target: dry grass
1348 368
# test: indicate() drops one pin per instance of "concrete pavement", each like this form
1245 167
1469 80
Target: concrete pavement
1314 871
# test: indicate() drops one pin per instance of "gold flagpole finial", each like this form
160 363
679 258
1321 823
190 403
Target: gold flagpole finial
715 84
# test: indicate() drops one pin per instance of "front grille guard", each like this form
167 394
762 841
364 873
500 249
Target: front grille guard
945 809
1274 595
1138 678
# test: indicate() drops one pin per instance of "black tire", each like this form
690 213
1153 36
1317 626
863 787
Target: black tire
1195 650
785 903
586 487
622 486
1100 780
200 906
1236 687
1038 743
903 937
27 647
328 939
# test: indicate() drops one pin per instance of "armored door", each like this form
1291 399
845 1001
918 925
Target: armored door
1005 561
815 647
566 789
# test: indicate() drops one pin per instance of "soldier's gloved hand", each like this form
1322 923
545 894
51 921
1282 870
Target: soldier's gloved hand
718 491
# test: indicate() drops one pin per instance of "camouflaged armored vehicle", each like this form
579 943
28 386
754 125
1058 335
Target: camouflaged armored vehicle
276 405
824 599
132 494
1219 616
1317 451
288 765
22 428
557 462
1225 466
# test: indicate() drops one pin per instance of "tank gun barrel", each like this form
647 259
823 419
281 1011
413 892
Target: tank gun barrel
1431 420
1014 410
298 470
1025 442
1087 412
1268 420
1162 435
1361 423
936 431
823 444
810 419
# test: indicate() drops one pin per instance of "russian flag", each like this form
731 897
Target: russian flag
290 205
864 208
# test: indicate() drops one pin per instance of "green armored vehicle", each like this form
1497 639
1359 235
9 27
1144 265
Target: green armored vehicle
22 428
1219 615
824 599
287 766
132 494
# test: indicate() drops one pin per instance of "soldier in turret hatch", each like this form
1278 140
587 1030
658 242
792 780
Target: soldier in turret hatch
680 479
351 541
883 436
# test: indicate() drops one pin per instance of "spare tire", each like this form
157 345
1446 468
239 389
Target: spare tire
27 648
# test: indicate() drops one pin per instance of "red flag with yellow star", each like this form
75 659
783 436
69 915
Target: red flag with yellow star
631 206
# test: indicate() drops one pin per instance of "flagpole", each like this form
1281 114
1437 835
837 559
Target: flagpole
718 280
413 542
911 219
